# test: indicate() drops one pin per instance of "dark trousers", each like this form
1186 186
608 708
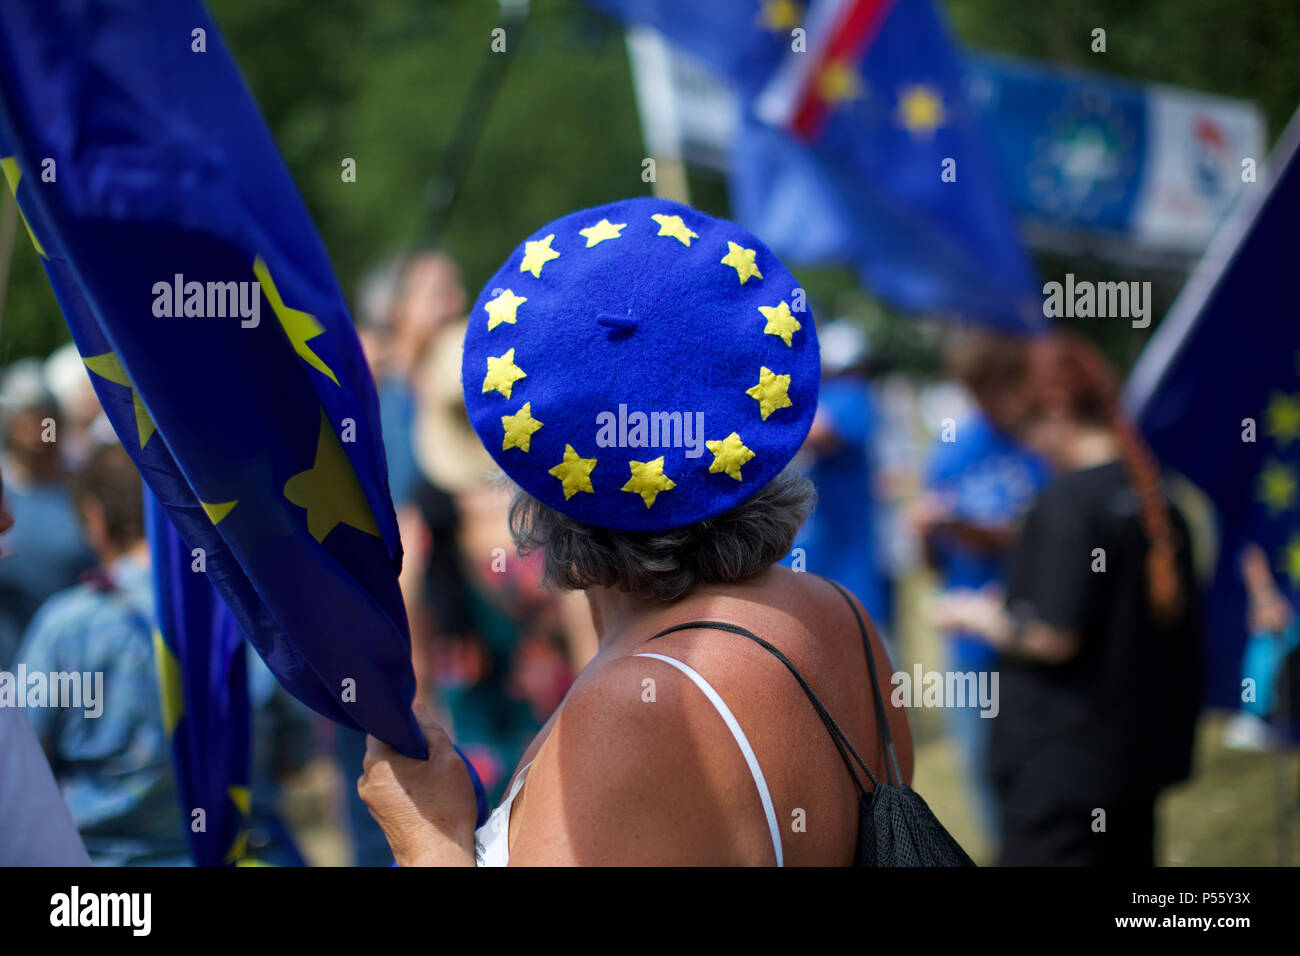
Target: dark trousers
1065 836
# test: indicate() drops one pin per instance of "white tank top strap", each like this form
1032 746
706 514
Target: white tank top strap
741 740
492 839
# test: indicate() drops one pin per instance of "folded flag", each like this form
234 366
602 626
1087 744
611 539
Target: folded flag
205 701
204 306
1217 394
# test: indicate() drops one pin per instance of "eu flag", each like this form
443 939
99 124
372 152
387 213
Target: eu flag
204 306
858 146
1217 394
204 688
866 141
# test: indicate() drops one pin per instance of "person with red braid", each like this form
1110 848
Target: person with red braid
1097 634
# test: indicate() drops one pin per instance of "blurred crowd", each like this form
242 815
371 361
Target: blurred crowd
982 479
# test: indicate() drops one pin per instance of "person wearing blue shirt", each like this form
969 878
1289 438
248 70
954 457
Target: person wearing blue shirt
113 767
46 543
838 539
979 483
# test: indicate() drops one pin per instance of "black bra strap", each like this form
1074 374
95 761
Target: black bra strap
837 736
881 717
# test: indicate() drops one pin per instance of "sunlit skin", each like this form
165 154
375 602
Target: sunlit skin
618 779
1267 607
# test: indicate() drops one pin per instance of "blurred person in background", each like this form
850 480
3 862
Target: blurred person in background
79 425
839 539
47 545
38 830
1097 636
114 769
504 649
284 741
979 482
401 307
1274 636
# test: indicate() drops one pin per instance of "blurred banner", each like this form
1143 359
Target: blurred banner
1087 162
857 146
1153 165
203 683
1217 393
203 303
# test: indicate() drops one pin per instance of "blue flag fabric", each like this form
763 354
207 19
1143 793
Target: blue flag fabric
211 737
859 147
742 40
204 306
1217 394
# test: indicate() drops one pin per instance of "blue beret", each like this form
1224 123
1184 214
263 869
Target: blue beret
641 366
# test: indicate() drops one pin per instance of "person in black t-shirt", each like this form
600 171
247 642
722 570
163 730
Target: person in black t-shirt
1099 651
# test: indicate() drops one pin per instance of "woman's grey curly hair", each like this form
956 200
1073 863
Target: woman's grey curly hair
666 565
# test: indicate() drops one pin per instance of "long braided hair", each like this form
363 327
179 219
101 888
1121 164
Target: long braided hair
1069 367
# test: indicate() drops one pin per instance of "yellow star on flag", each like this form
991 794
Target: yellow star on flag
742 260
299 326
779 15
839 82
780 322
170 684
519 428
648 479
574 473
674 227
1293 559
502 374
504 308
770 392
920 110
537 253
107 366
217 510
601 231
1277 487
329 490
1283 415
12 175
728 455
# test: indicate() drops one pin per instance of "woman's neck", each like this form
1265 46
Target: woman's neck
613 612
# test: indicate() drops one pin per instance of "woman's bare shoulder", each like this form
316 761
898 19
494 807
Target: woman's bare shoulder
637 770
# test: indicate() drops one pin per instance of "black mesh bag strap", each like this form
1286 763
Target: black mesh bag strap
881 717
837 736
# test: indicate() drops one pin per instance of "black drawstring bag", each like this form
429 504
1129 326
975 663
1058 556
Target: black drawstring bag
895 826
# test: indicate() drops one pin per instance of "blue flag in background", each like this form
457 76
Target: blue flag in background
869 133
858 147
156 199
742 40
1217 394
204 689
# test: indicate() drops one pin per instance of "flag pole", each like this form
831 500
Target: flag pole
443 188
651 61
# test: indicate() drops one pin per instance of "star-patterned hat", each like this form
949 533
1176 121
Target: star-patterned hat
641 366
